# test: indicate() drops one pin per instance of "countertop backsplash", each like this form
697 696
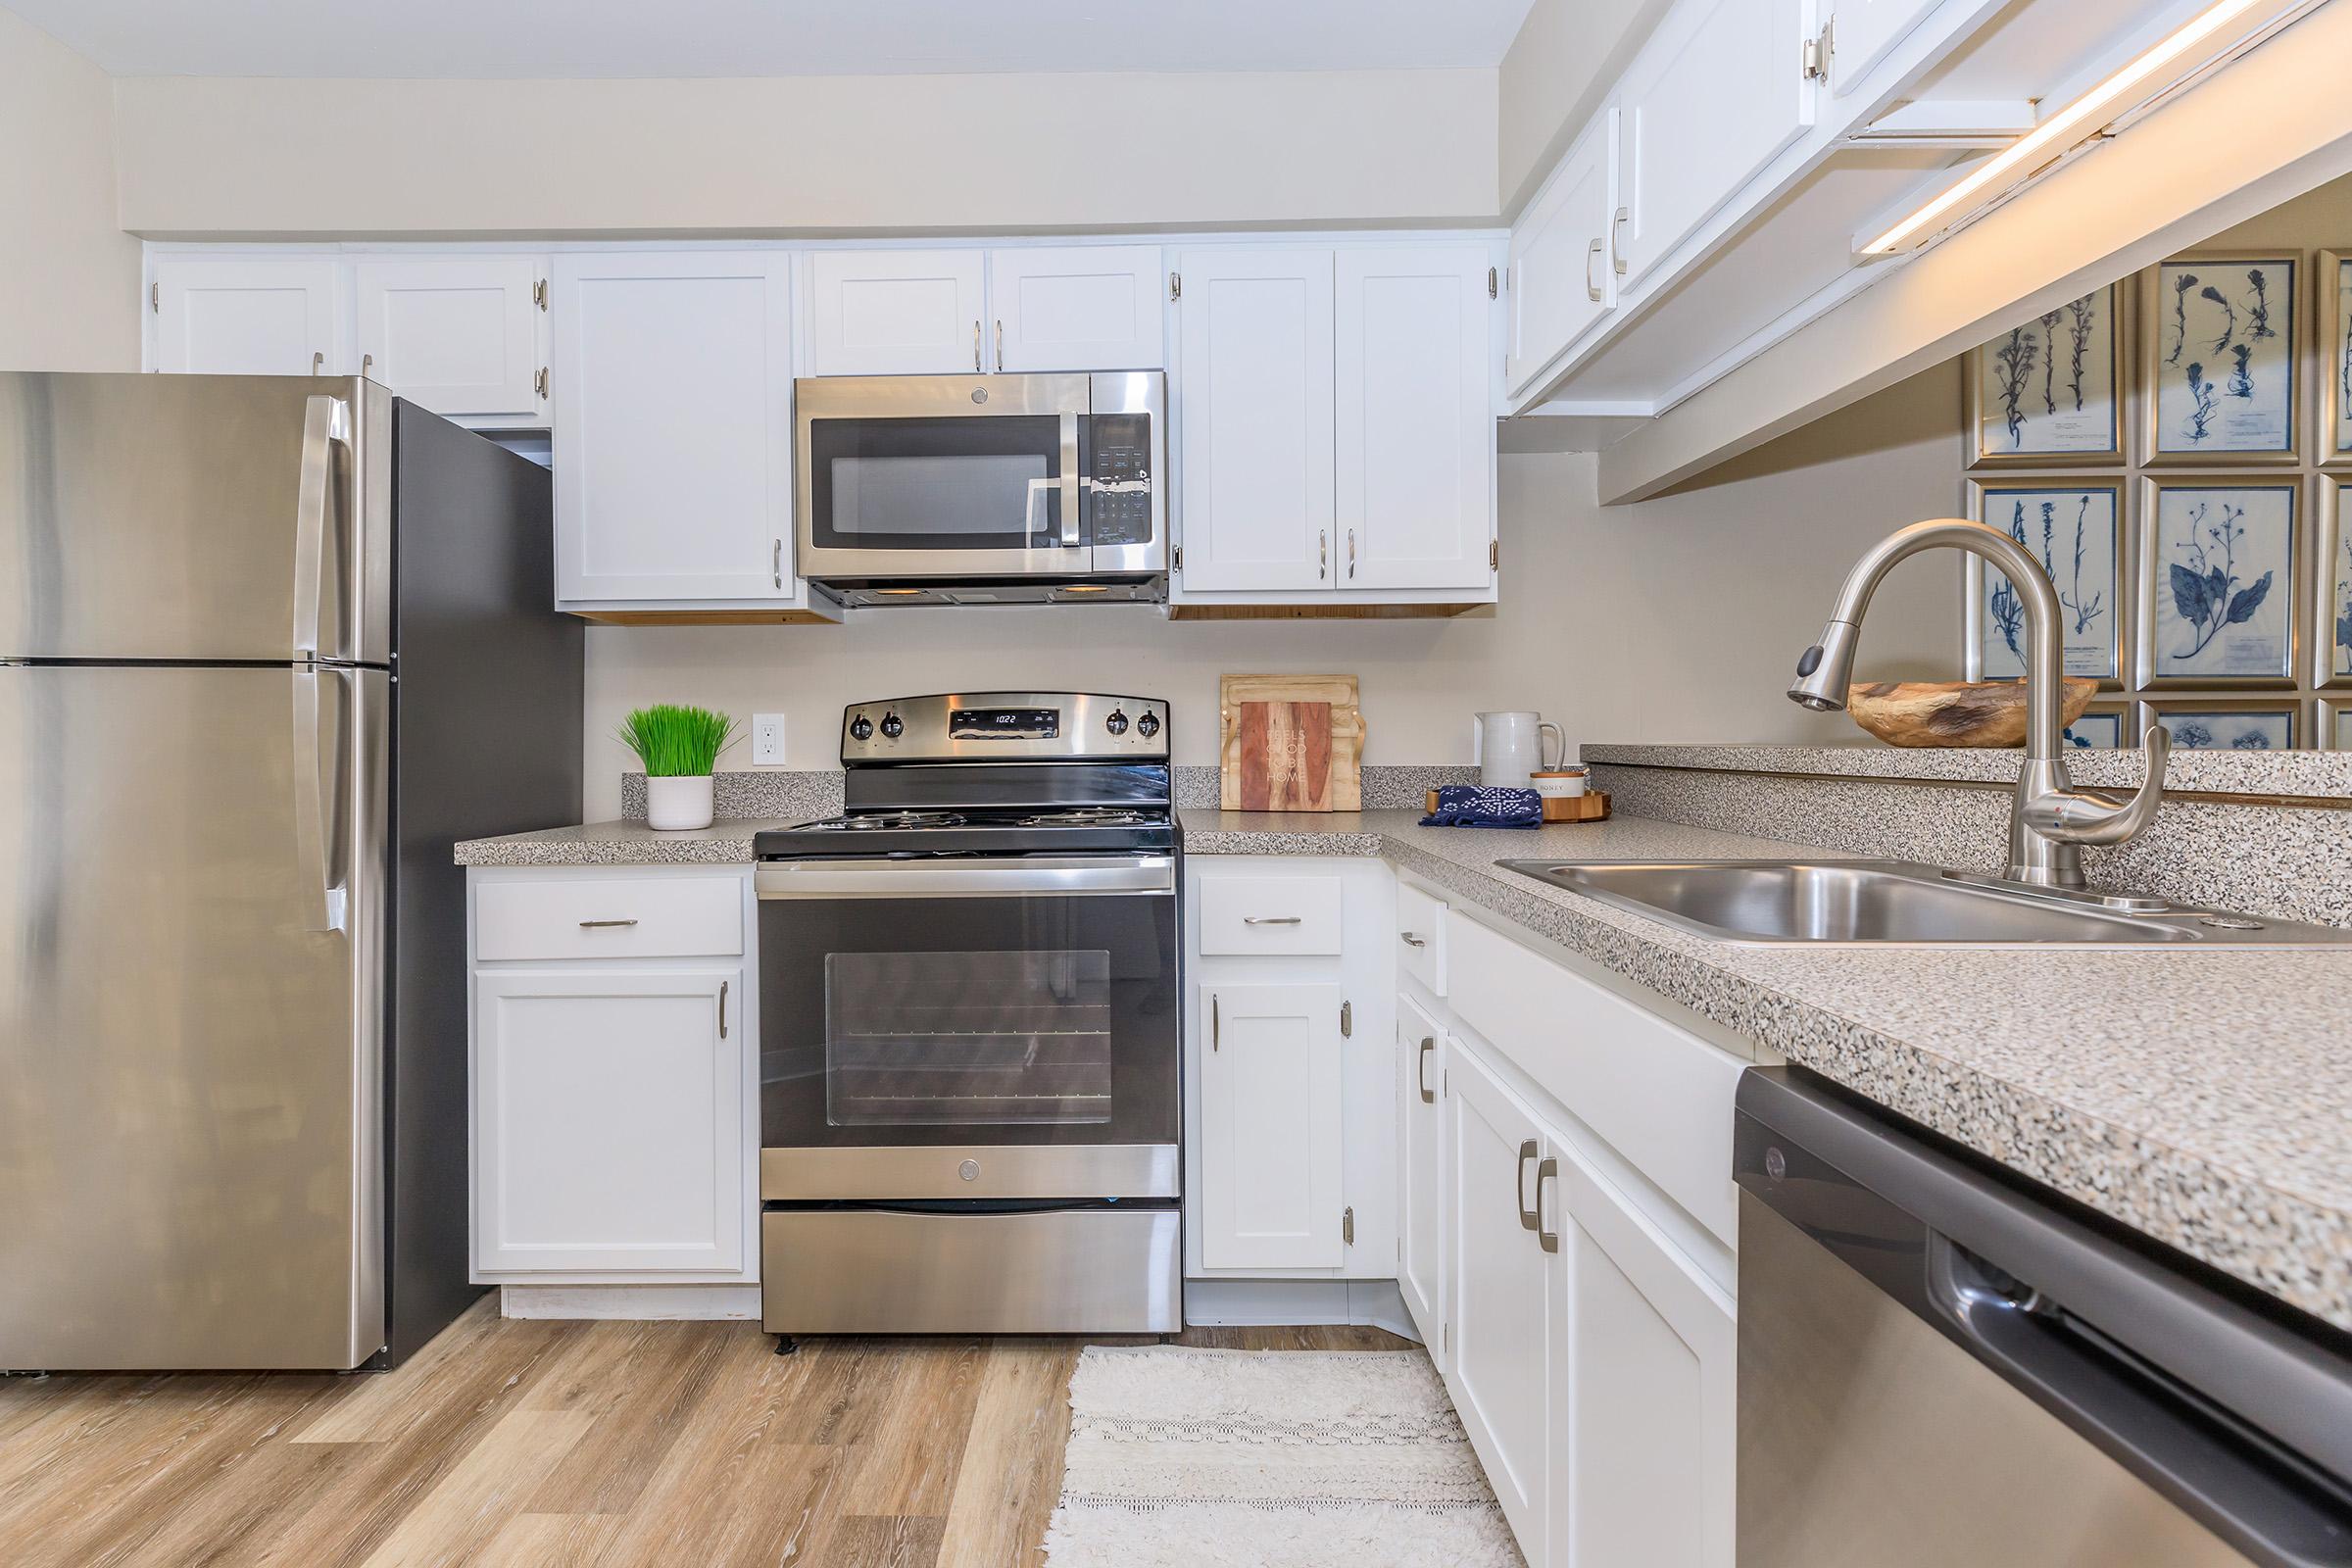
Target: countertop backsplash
801 796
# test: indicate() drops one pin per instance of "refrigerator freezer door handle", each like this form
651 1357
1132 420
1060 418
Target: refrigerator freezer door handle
324 898
325 425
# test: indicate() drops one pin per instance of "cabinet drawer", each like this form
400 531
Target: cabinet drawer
1269 914
608 919
1421 937
1655 1093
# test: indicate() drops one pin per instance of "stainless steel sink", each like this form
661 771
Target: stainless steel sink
1798 903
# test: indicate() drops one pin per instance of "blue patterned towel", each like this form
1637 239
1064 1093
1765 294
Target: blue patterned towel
1476 805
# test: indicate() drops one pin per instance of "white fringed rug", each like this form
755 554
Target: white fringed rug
1184 1458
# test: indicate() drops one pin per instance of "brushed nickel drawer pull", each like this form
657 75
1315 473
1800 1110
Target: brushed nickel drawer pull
1429 1044
1270 920
599 925
1412 941
1547 1171
1528 1218
722 1034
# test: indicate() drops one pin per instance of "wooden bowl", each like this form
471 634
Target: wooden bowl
1956 712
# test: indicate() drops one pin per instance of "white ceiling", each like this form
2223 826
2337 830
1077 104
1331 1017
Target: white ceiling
588 38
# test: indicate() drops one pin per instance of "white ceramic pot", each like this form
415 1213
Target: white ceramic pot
673 805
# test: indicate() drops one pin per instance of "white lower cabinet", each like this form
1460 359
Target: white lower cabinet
609 1120
1270 1121
1501 1301
1421 1164
614 1089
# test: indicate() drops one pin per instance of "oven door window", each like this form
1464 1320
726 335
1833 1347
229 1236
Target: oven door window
1034 1018
983 483
967 1039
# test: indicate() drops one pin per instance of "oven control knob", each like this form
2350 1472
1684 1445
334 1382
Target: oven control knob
1148 725
969 1170
861 728
893 726
1116 723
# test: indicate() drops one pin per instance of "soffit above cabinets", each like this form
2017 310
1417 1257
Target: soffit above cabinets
557 39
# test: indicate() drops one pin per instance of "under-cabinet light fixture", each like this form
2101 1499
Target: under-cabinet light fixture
2086 116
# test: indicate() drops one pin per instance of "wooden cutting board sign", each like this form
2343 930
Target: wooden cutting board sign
1290 743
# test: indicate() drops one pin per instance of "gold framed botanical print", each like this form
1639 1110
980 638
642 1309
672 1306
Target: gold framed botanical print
2050 390
2331 442
2217 601
2107 725
2331 577
2076 527
2331 728
2220 363
2227 724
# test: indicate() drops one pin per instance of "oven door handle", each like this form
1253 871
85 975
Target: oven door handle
1040 876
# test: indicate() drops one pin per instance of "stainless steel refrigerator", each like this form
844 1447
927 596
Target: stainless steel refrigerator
267 646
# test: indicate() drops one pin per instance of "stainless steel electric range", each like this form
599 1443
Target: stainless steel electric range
971 1038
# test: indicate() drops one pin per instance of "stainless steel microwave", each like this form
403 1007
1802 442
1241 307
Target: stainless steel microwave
908 485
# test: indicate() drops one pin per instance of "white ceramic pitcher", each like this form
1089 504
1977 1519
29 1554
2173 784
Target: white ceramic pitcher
1508 747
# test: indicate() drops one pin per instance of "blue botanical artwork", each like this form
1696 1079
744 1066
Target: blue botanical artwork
2252 730
2047 386
2072 532
2224 370
2096 732
2338 355
2339 599
2222 564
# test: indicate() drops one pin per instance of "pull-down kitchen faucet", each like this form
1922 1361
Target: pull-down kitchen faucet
2049 819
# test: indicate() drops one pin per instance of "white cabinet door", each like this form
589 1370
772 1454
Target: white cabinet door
609 1120
897 312
1561 281
460 334
1864 31
1643 1375
1271 1116
1254 395
1500 1304
1715 95
674 430
1415 427
1421 1174
1077 308
247 315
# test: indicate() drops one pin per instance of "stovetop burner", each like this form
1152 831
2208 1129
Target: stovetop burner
875 821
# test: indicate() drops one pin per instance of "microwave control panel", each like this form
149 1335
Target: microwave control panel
1120 478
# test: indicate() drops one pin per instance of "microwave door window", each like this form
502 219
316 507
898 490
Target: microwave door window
936 484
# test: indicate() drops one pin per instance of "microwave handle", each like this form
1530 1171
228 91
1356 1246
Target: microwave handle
1069 481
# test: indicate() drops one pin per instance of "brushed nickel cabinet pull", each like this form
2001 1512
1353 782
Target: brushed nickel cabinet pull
1592 289
1351 555
1548 1171
999 347
1346 1020
539 383
601 925
1616 251
1270 920
1429 1044
1322 553
722 1034
1216 1028
366 363
976 347
1528 1218
776 563
319 364
1411 939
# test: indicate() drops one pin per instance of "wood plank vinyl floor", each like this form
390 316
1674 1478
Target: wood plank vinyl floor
539 1445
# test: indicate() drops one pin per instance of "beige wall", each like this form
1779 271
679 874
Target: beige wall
68 276
220 157
1676 619
1559 71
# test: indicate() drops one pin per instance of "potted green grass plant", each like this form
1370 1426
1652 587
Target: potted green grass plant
679 746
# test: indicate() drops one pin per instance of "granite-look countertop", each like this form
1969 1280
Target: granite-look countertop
2260 775
2203 1097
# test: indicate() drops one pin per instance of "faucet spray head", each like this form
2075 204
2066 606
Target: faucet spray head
1825 669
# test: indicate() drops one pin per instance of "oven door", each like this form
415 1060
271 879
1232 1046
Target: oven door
939 476
970 1028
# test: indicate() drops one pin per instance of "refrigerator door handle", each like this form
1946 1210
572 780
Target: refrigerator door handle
325 425
324 893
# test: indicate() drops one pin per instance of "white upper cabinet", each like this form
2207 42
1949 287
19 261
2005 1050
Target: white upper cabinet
464 336
674 430
1271 1159
1863 32
1077 308
248 315
1561 277
897 313
1415 421
1256 408
1715 95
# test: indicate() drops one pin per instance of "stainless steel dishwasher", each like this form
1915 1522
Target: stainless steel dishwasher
1940 1364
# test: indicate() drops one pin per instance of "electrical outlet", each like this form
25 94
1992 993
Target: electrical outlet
767 740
